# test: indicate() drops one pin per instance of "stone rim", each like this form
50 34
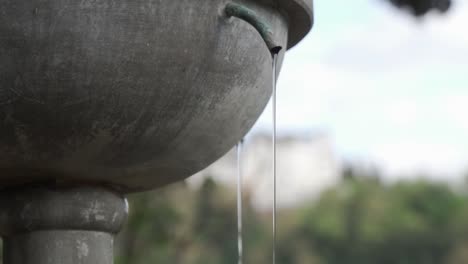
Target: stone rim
300 14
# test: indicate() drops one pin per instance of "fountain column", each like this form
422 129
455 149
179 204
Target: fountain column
60 225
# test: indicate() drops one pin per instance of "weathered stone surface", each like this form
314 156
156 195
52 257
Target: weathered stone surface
131 93
60 225
59 247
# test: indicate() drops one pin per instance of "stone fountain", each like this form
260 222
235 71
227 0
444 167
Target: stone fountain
100 98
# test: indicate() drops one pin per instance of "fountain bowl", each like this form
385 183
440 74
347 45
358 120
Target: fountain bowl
133 94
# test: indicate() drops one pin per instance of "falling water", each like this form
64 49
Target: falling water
273 101
239 201
239 176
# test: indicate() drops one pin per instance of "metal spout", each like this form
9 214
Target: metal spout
251 17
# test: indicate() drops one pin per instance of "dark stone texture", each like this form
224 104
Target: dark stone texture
34 208
60 225
131 93
59 247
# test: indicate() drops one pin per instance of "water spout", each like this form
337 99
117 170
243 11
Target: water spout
251 17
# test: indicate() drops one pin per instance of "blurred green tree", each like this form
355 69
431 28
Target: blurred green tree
359 221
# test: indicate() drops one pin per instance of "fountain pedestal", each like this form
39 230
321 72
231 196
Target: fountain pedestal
134 94
60 225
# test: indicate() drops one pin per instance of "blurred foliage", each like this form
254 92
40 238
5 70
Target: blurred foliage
422 7
359 221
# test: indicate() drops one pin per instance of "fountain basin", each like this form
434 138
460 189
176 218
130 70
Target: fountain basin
133 94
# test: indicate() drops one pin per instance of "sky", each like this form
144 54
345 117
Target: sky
388 89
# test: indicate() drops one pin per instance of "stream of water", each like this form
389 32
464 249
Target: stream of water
273 103
239 201
239 176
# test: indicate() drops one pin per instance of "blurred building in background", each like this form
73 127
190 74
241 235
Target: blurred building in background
306 166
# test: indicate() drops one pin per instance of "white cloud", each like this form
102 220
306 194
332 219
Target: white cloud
387 87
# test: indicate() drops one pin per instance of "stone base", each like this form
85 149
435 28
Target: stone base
44 225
